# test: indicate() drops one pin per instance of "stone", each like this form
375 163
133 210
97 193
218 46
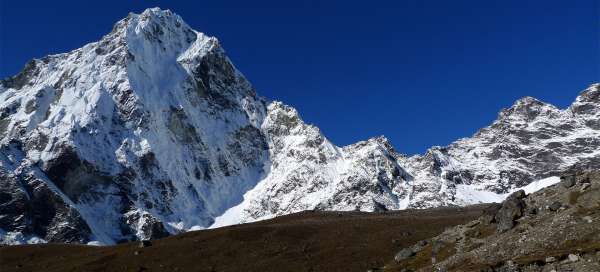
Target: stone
136 253
403 254
512 209
585 186
573 258
419 246
473 223
148 226
489 213
532 210
587 219
144 243
555 206
520 194
568 181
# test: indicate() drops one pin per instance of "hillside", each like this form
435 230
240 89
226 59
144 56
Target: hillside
306 241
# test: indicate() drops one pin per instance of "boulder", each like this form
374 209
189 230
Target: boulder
532 210
573 258
419 246
512 209
568 181
403 254
489 213
555 206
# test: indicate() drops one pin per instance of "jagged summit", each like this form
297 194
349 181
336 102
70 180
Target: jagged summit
527 109
150 22
586 104
147 132
152 131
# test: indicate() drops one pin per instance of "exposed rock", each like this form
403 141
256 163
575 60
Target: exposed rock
144 243
473 223
532 210
512 209
573 258
555 206
403 254
489 214
568 181
584 186
545 242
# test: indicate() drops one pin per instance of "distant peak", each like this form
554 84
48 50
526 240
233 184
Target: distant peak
588 101
527 107
527 100
591 94
157 11
381 139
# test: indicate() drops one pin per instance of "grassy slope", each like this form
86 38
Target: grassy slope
307 241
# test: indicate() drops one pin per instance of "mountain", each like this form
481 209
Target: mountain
528 146
152 131
147 132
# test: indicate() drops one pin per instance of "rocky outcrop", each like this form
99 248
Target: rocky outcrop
512 209
564 239
31 210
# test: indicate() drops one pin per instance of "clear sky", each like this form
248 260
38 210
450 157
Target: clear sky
422 73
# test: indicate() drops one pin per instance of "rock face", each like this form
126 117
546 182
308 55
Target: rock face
147 132
512 208
530 141
551 240
152 131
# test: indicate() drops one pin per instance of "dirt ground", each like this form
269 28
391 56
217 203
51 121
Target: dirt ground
306 241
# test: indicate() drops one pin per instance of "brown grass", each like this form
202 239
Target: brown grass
308 241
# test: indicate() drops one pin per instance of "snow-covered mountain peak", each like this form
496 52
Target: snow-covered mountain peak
154 24
149 131
527 109
152 131
286 118
587 103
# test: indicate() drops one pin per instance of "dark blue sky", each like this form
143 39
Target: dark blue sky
420 72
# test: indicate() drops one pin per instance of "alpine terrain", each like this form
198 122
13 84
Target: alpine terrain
152 131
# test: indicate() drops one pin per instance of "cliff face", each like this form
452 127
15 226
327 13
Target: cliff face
147 132
152 131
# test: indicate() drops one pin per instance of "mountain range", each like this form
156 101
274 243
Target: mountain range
152 131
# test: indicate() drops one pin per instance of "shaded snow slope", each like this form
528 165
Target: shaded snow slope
152 131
